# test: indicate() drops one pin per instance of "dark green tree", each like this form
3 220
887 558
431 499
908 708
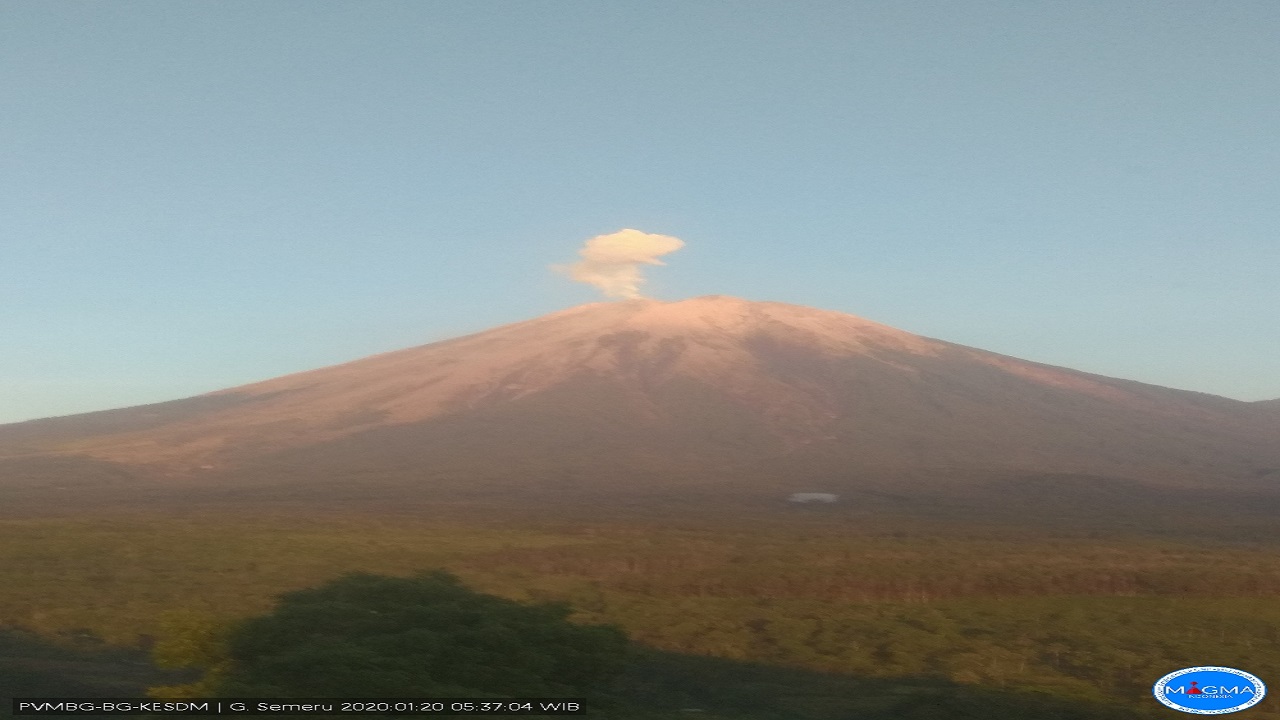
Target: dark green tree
365 635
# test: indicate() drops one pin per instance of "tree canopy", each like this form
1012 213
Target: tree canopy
365 635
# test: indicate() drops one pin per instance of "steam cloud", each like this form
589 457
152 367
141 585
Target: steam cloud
613 263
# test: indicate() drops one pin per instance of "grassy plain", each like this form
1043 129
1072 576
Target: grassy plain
791 613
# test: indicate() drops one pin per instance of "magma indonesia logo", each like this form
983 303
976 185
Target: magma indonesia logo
1209 690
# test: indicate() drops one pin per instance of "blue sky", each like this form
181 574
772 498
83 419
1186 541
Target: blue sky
201 194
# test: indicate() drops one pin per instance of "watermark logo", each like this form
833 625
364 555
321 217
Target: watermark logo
1209 690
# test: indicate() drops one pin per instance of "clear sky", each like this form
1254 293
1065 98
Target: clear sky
200 194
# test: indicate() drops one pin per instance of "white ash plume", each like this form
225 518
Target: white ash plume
613 263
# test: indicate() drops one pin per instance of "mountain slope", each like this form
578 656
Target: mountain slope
644 393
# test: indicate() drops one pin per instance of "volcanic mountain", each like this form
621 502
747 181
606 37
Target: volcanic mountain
711 392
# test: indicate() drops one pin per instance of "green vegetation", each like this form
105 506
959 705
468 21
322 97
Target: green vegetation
367 635
660 686
74 665
874 619
122 577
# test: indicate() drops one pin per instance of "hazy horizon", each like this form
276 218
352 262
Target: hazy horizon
208 194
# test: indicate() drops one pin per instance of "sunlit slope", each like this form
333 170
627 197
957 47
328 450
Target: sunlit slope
711 389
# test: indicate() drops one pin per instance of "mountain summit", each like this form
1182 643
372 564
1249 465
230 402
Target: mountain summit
646 393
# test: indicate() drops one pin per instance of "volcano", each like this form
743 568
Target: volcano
710 394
